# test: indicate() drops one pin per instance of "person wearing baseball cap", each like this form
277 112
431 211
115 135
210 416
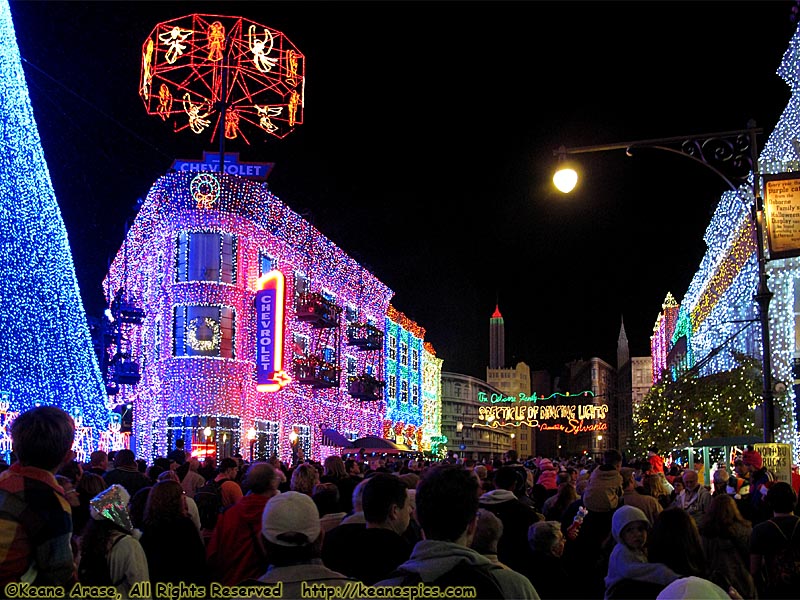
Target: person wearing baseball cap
292 542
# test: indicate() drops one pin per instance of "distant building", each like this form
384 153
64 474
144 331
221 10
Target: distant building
634 379
468 434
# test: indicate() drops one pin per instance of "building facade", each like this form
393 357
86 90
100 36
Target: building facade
258 329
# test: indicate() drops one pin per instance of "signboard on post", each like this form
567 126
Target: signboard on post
782 210
778 459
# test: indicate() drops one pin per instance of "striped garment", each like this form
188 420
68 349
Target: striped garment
35 529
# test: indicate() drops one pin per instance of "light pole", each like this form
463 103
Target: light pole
732 155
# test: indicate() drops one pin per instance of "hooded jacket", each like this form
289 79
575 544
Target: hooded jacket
512 547
432 558
604 489
626 563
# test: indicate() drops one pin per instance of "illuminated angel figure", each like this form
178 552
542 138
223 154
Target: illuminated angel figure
231 124
173 39
291 67
147 76
197 122
164 102
265 112
294 100
216 40
258 47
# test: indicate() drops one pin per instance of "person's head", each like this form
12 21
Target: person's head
721 477
545 537
42 437
690 480
125 458
412 479
229 468
655 485
98 460
291 529
629 526
781 497
179 443
447 503
506 478
168 476
511 455
90 485
304 478
628 482
722 516
612 458
385 502
260 478
752 460
352 467
677 485
675 541
334 466
482 472
194 464
70 493
112 504
137 505
739 468
166 502
652 451
488 530
326 498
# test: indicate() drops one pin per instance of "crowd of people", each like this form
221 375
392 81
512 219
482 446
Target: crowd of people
545 527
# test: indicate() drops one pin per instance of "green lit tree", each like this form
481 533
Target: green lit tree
675 413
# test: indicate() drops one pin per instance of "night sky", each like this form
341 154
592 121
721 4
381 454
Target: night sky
426 150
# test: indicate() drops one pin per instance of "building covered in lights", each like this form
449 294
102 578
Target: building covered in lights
718 317
259 333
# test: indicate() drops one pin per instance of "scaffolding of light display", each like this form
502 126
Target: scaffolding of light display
46 355
215 74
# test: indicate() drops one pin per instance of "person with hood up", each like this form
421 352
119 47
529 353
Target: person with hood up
547 475
110 550
513 548
447 505
629 573
604 489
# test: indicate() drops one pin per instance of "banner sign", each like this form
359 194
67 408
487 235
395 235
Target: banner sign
511 411
782 210
778 459
210 164
270 376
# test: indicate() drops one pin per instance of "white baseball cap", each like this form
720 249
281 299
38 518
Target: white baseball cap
287 515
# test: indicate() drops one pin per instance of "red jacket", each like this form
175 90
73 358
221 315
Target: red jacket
233 550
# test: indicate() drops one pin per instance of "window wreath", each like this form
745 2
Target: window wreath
203 345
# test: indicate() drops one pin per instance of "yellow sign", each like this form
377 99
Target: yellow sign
778 459
782 208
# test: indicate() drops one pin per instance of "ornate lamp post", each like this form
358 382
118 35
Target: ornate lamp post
732 155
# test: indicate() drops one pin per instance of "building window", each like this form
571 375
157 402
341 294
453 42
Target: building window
350 313
328 354
391 347
267 441
157 334
415 395
351 365
300 283
404 354
204 331
391 387
303 438
205 256
404 391
299 345
414 359
266 263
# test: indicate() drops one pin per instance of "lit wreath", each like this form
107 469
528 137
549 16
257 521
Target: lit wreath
203 345
205 190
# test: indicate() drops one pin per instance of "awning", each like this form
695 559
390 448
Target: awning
331 437
373 443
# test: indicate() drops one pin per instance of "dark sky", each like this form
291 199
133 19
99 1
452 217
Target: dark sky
427 149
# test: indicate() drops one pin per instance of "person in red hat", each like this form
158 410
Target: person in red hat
760 480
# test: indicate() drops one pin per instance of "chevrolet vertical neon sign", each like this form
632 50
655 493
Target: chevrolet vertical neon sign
270 376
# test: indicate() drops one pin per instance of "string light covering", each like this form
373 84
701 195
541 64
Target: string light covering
46 355
720 297
193 64
405 400
661 340
186 262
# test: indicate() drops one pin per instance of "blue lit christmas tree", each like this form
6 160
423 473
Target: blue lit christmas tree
46 354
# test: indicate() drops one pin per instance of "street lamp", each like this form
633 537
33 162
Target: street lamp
732 155
251 437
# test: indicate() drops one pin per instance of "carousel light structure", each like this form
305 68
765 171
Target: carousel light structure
226 77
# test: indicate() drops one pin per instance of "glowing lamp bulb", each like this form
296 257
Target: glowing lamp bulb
207 431
251 434
565 180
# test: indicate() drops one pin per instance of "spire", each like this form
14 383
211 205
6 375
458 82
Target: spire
497 340
623 351
46 354
496 314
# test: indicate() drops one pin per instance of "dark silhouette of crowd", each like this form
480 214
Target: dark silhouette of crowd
546 527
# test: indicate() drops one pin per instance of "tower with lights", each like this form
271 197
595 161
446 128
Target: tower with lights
46 354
